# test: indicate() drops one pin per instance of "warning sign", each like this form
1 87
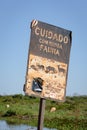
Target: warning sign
48 61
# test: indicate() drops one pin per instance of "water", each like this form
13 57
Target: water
5 126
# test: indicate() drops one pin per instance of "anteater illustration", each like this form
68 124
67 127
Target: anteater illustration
40 67
50 69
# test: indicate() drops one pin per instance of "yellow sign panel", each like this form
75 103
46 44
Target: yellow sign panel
48 61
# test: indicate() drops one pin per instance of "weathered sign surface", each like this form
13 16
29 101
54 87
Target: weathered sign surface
48 61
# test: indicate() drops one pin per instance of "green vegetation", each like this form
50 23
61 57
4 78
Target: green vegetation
70 115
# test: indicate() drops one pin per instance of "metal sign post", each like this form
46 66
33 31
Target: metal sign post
47 65
41 114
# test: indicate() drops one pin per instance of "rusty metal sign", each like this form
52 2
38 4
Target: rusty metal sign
48 61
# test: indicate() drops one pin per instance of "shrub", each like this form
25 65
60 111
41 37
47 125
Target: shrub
9 113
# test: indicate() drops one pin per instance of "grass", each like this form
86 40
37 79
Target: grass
72 114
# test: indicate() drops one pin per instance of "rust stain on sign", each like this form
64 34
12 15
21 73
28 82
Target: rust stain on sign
48 61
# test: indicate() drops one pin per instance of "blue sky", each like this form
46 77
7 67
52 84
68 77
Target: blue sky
15 19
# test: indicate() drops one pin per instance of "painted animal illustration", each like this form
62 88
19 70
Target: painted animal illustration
50 69
40 67
61 69
33 67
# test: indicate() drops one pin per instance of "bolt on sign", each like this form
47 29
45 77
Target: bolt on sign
48 60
